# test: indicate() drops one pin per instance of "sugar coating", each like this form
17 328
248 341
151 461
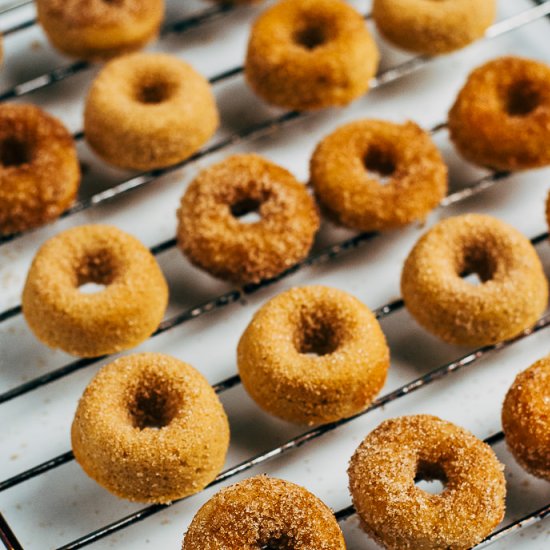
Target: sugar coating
115 444
355 198
313 355
433 28
121 316
40 189
501 117
513 295
399 515
128 131
264 512
526 418
99 29
215 240
333 70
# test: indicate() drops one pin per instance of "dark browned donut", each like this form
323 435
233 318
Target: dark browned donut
39 170
501 118
212 237
347 167
526 418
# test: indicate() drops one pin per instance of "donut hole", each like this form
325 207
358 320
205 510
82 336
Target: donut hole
247 210
430 478
477 265
154 403
14 152
277 543
95 272
317 334
380 162
154 89
522 99
310 37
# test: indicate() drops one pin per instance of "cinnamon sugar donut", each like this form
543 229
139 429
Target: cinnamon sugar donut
263 512
433 27
146 111
212 236
310 54
150 428
526 418
347 167
100 29
122 315
501 118
512 295
39 170
313 355
400 516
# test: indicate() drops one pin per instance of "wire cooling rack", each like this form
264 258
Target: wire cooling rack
45 500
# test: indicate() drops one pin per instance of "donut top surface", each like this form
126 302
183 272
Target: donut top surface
150 428
213 236
263 512
398 514
526 418
98 13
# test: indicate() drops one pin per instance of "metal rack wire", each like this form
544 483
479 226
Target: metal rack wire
6 534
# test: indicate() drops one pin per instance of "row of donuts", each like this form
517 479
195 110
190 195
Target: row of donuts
149 428
149 110
105 29
135 295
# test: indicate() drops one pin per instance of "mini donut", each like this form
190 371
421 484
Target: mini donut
122 315
39 170
100 29
400 516
512 295
347 167
433 28
147 111
212 236
150 428
501 118
310 54
526 419
264 512
313 355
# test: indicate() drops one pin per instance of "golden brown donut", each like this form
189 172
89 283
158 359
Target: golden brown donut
512 295
100 29
526 418
501 118
263 512
310 54
433 27
150 428
122 315
313 355
347 167
212 236
39 170
146 111
400 516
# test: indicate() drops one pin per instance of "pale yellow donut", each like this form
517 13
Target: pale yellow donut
146 111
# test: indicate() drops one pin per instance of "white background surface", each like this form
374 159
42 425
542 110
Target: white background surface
64 504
